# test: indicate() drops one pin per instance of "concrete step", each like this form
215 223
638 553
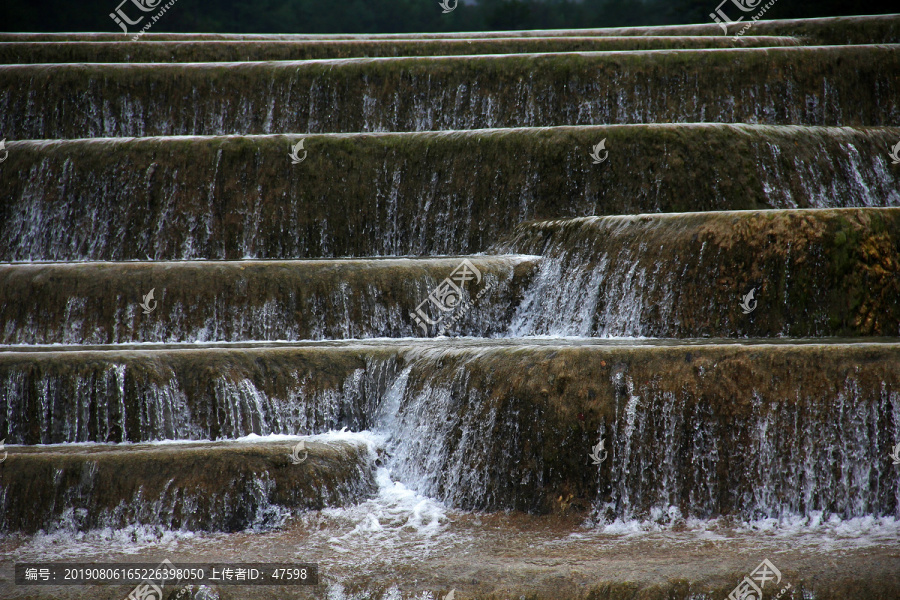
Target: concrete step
819 85
103 303
198 486
430 193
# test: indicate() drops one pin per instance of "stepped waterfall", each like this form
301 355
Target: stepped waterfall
596 314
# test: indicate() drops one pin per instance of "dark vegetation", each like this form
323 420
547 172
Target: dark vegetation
386 16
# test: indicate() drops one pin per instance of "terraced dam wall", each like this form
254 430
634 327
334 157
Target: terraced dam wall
813 273
200 394
817 273
93 303
264 50
190 487
561 315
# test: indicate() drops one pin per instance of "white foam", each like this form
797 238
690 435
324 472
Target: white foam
66 543
370 439
395 510
397 516
816 531
337 592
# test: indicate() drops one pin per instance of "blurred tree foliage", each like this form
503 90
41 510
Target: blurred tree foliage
399 16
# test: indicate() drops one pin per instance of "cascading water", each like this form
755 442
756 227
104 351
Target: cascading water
133 199
454 92
122 397
93 303
679 275
673 346
496 426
